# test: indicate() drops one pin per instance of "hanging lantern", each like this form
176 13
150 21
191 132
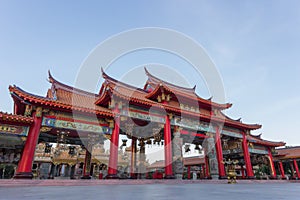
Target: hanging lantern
141 142
48 148
198 148
149 142
71 150
187 148
124 141
157 137
62 136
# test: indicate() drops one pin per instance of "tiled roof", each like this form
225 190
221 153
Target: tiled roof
258 140
182 91
157 164
65 100
288 153
62 96
137 95
7 117
153 80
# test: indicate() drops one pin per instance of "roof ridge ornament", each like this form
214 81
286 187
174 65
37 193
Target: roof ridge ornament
104 75
151 76
146 71
194 88
50 77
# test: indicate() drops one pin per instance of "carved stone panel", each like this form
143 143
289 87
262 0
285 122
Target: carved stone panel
177 163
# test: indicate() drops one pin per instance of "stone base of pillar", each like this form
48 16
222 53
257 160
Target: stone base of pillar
169 177
178 176
142 176
133 177
86 177
23 175
273 177
284 178
112 176
214 176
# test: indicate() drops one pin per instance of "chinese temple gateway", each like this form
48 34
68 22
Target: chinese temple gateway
64 133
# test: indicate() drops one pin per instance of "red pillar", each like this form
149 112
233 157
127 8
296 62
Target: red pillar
203 170
16 109
168 149
206 168
296 168
292 169
87 164
281 169
24 170
273 170
247 159
221 166
189 172
114 145
133 158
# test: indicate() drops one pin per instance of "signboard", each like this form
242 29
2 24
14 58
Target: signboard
232 134
232 151
143 115
192 124
14 130
258 151
79 126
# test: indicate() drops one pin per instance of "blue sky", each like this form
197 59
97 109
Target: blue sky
254 44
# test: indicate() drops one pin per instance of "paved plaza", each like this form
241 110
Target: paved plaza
144 190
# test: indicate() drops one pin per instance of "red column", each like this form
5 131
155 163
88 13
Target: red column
202 171
114 145
16 109
243 171
207 168
247 157
133 158
219 152
189 172
168 149
281 169
273 170
292 169
87 164
296 168
24 170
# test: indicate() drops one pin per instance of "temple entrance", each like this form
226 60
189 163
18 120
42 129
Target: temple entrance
111 134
